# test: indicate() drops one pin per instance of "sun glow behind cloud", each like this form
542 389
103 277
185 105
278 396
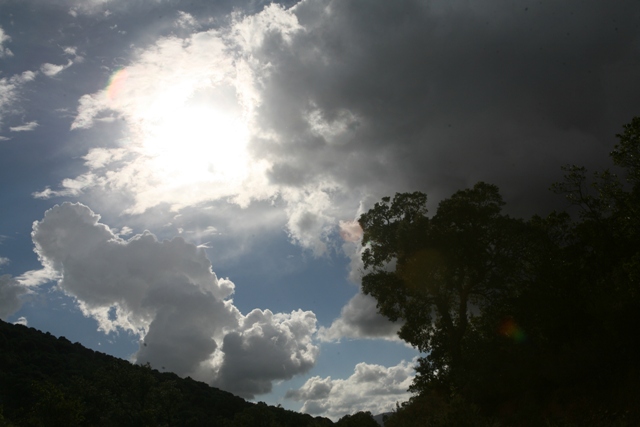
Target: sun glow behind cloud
196 144
185 144
187 128
193 111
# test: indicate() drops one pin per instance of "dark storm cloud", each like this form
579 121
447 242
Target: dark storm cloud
436 95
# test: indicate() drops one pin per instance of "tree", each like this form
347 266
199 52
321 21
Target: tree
432 272
521 322
604 253
359 419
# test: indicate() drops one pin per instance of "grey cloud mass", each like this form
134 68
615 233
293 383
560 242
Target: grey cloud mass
440 94
345 106
11 292
360 319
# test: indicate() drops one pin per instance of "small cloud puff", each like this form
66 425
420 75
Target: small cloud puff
21 321
27 127
372 388
125 231
359 319
186 20
51 70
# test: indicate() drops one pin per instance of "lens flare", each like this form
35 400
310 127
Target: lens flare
116 84
510 329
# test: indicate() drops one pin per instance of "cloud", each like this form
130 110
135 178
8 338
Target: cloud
373 388
11 292
309 221
210 70
4 261
51 70
203 107
125 231
376 111
166 292
339 112
265 348
21 321
70 50
9 91
4 51
350 231
73 51
33 278
70 187
359 319
186 20
86 7
27 127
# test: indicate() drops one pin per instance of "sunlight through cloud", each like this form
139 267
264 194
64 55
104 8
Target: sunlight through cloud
197 144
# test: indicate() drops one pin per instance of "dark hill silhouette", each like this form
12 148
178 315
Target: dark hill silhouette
49 381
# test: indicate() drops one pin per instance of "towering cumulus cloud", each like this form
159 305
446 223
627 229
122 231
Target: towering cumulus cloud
265 348
168 294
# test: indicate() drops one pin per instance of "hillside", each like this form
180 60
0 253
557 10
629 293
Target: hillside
49 381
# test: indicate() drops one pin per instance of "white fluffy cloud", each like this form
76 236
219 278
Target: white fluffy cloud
373 388
265 348
51 70
166 292
21 321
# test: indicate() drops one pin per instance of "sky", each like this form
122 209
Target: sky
180 181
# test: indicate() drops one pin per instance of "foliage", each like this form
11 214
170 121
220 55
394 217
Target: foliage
48 381
460 260
359 419
520 322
